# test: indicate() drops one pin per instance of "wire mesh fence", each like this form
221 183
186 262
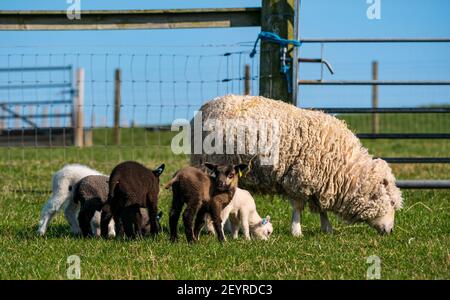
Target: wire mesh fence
38 98
39 92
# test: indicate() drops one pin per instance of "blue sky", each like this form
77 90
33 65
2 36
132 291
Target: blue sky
181 59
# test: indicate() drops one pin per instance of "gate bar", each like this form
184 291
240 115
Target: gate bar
130 19
374 82
35 86
423 184
403 135
383 110
37 69
377 40
417 160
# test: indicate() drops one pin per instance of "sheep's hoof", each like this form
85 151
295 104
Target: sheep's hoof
327 229
296 230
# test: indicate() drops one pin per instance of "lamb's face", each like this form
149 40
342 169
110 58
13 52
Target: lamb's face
384 224
263 230
225 177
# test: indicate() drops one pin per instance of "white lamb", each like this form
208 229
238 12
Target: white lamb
61 196
241 212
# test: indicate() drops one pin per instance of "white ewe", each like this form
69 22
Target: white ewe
319 161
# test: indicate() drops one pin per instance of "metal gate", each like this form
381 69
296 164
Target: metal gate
375 111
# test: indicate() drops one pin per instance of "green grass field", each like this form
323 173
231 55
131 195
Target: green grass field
418 249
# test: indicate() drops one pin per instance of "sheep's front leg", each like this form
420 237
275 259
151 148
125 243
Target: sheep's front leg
234 228
111 229
95 223
325 224
296 228
245 225
225 214
217 221
71 214
189 215
51 207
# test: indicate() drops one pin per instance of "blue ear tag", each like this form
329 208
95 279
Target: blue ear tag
264 221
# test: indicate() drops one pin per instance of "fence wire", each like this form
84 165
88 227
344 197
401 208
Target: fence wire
37 93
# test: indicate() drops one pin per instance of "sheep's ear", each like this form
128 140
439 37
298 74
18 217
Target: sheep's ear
268 218
211 166
158 171
239 168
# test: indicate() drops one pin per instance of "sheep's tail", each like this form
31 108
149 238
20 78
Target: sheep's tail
172 181
74 191
113 181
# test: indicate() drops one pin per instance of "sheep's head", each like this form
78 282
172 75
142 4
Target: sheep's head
390 200
385 223
263 229
225 177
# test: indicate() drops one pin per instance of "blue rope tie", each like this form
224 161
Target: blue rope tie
285 61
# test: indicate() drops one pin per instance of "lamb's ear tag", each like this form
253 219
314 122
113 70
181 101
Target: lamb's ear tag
240 173
264 221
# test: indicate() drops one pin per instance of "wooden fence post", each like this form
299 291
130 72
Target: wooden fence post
247 80
78 109
117 101
277 16
2 121
375 116
17 119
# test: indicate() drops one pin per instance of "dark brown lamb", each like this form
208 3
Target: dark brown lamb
132 187
202 194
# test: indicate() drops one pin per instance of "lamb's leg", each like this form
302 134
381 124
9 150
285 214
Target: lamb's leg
225 214
152 215
217 222
111 229
174 215
189 215
51 207
209 224
234 227
95 224
200 222
138 222
296 228
245 225
106 220
71 213
325 224
128 218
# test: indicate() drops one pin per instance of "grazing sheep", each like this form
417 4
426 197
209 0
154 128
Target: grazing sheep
317 160
132 187
91 193
241 212
202 194
61 196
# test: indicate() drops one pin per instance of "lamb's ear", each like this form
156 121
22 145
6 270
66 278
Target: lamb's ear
268 218
158 171
211 166
239 168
